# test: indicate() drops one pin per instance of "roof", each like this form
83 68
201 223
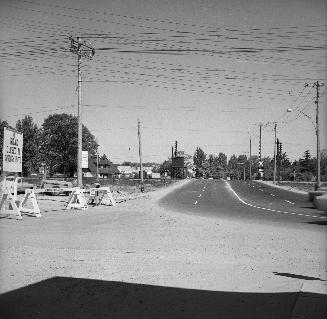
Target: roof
112 169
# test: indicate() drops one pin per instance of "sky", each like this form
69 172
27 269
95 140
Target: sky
205 73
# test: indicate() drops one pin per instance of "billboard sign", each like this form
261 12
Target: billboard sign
12 151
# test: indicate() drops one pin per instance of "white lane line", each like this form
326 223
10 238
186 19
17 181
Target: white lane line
289 202
195 202
263 208
273 195
200 195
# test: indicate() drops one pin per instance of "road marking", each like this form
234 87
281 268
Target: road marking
263 208
289 201
200 195
273 195
195 202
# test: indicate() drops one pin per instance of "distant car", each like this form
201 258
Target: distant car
21 185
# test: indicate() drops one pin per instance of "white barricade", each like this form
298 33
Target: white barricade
98 194
77 200
8 205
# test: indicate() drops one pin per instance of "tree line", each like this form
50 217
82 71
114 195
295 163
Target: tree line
54 145
242 167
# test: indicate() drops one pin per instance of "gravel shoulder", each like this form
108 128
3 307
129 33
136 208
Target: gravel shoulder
138 242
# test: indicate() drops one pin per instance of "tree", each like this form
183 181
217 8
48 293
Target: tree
233 167
60 141
199 158
306 168
104 158
31 151
165 167
323 165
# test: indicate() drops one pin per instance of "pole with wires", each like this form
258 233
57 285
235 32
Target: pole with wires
275 129
317 85
140 154
250 168
83 51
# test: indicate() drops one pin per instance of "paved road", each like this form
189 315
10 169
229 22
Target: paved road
244 199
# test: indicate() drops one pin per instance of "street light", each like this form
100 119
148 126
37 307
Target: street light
316 127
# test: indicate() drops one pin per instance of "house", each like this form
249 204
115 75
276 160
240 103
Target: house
132 171
106 169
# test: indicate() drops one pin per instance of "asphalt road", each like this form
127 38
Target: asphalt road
244 200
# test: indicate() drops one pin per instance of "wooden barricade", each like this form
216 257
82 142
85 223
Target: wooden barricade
77 200
98 194
29 196
29 205
8 204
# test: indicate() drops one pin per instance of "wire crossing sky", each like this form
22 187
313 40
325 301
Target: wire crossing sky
205 73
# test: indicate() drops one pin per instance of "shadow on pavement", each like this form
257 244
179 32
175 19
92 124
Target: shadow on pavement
61 297
318 222
286 274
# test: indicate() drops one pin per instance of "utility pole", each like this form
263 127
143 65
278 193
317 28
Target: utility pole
140 154
317 85
83 51
275 129
260 159
97 163
250 162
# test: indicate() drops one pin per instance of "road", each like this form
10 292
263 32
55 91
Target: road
244 200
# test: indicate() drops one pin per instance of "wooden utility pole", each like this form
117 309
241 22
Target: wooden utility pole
85 51
140 154
250 177
275 129
260 158
317 85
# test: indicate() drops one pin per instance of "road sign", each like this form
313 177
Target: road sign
12 150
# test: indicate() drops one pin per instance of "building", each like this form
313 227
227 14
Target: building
134 172
106 168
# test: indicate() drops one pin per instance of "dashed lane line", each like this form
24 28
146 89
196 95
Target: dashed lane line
269 209
289 202
200 195
195 202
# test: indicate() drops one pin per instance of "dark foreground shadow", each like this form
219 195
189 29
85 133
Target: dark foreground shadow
61 297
